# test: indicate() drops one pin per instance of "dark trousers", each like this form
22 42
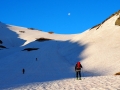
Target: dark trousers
78 74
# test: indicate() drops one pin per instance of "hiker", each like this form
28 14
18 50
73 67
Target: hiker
23 70
78 67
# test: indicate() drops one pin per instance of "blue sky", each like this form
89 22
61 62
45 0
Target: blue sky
52 15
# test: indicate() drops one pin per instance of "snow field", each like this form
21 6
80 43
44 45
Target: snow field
87 83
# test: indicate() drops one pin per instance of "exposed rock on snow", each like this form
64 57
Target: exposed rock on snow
30 49
117 22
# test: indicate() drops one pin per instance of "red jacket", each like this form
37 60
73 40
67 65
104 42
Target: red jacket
77 67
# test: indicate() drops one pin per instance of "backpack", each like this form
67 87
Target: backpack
78 65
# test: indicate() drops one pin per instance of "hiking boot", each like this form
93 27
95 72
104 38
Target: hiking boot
79 78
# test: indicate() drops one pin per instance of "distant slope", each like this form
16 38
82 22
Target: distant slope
15 36
31 35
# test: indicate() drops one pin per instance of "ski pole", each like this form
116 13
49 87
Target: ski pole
82 72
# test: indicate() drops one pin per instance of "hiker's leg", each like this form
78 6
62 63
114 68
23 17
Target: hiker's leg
79 74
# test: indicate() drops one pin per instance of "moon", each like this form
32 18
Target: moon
68 14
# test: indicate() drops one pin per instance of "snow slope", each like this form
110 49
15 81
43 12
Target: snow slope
102 48
97 49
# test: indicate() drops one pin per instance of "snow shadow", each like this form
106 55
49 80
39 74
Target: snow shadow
55 61
8 37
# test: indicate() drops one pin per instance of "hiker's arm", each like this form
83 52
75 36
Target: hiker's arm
81 66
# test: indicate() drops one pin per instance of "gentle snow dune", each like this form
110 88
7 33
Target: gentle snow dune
89 83
98 50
